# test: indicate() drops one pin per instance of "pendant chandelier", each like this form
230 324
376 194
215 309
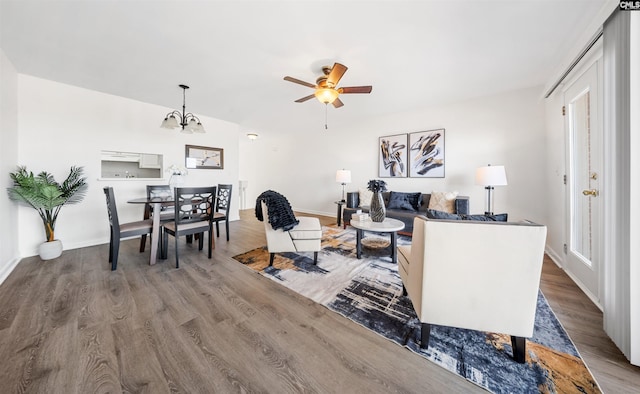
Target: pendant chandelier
189 122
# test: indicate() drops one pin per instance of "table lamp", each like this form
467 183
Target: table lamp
343 176
489 177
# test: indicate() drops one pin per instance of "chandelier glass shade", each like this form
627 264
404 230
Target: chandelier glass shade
189 122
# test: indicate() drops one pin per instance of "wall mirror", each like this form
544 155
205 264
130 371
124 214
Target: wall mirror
130 165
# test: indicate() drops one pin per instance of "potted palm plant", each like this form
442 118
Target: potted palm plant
47 197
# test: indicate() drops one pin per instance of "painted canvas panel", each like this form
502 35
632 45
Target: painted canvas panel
392 156
426 154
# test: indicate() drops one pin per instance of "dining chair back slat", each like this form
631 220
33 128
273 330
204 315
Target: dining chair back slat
223 204
193 215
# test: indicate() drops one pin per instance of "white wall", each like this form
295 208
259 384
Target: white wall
506 129
9 256
63 125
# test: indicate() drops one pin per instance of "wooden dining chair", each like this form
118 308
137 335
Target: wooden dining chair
193 215
221 213
121 230
166 214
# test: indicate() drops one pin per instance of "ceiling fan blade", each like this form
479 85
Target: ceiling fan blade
337 103
295 80
302 100
337 71
356 89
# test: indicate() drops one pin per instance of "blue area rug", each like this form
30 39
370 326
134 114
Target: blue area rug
369 292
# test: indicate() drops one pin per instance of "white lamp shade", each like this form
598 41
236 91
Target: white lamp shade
343 176
199 128
491 176
170 122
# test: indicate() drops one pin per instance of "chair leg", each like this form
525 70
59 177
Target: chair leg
271 256
227 228
114 256
210 240
200 241
143 242
425 333
111 248
519 346
404 291
176 238
218 229
315 258
165 245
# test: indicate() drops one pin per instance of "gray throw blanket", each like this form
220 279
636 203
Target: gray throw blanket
280 212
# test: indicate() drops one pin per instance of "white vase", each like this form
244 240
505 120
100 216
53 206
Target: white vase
50 250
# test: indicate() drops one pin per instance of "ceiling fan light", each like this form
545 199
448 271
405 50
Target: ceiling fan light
326 95
170 122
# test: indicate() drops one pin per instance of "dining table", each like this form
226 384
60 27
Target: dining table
157 203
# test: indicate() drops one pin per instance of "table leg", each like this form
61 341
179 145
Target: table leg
155 234
339 215
359 243
394 249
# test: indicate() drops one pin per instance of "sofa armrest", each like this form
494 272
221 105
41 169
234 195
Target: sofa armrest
353 199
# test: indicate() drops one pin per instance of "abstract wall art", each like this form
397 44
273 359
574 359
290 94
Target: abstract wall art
426 154
392 156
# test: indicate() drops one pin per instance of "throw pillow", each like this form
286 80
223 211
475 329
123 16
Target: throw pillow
434 214
406 201
443 201
365 196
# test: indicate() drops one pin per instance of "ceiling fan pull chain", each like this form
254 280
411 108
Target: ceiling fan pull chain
326 105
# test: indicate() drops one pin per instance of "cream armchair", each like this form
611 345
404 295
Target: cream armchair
304 237
458 273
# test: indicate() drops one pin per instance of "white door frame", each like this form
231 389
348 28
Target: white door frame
593 58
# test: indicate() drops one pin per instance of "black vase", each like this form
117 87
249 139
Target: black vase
377 210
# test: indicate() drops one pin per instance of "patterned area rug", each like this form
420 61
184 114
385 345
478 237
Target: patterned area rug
369 292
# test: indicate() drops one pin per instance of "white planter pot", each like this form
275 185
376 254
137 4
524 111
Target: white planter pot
50 250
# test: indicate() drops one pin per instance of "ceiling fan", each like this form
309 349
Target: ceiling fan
326 90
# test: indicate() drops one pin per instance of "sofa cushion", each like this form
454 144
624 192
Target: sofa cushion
434 214
406 201
500 217
443 201
365 197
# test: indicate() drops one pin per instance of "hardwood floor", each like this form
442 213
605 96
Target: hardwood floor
71 325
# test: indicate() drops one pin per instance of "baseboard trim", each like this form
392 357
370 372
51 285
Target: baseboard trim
8 269
555 257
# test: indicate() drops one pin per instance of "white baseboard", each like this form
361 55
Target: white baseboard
8 268
555 257
559 262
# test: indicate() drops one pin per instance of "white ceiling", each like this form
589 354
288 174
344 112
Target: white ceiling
234 54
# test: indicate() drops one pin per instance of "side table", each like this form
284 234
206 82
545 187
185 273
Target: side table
339 214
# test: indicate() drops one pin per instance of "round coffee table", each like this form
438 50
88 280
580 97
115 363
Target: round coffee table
391 226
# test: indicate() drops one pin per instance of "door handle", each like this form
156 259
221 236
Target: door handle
592 192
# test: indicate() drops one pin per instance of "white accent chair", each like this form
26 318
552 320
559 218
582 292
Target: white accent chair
475 275
304 237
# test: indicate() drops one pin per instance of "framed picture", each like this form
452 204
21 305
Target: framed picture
392 156
426 154
204 157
